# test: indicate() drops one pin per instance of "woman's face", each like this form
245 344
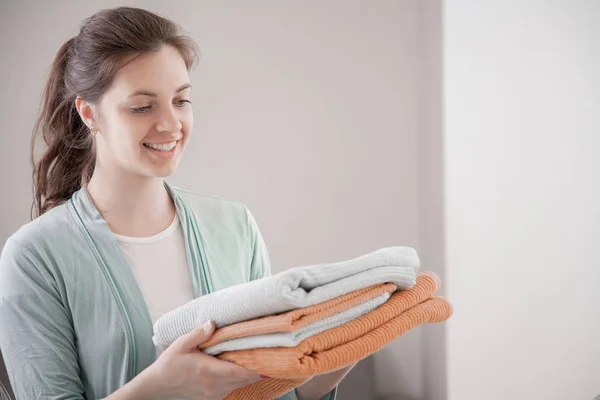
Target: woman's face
146 116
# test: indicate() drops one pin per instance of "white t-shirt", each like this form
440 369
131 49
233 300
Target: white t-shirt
159 264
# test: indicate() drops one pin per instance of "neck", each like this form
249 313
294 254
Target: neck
131 205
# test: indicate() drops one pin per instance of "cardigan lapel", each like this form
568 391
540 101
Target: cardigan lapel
120 277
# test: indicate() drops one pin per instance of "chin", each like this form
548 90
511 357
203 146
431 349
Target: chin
165 173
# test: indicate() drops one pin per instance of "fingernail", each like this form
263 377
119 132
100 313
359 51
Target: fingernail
206 326
264 376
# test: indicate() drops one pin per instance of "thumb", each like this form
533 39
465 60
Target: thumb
191 340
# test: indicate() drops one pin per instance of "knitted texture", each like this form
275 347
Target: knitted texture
297 319
343 345
294 288
291 339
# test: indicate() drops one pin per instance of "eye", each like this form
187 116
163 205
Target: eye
183 103
141 109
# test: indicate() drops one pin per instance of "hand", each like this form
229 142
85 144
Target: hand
183 371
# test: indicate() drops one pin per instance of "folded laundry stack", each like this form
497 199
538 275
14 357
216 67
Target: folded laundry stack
311 320
294 288
290 367
288 329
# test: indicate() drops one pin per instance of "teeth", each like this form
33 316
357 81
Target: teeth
162 147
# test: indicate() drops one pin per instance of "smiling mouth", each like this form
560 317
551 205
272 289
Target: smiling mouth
163 147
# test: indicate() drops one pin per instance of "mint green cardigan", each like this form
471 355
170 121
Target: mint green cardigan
73 320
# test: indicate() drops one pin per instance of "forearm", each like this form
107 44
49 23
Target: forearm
142 387
320 385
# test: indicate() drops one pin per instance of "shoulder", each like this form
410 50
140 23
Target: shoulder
33 256
211 208
37 238
214 202
230 226
223 218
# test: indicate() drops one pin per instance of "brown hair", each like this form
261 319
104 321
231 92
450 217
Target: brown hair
85 66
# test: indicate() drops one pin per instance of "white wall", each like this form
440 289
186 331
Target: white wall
522 135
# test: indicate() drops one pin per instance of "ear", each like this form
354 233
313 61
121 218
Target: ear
87 113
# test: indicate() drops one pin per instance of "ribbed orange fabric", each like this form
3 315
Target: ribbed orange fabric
341 346
298 318
435 309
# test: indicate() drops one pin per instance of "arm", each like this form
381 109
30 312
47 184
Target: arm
37 338
142 387
36 334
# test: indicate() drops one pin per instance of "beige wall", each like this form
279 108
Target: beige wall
305 111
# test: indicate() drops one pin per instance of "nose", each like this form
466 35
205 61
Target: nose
168 122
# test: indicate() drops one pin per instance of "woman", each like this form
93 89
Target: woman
113 246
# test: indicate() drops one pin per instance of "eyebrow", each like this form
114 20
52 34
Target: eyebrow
152 94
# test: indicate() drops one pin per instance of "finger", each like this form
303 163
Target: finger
191 340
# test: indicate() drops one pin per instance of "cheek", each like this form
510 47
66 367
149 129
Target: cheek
135 128
127 132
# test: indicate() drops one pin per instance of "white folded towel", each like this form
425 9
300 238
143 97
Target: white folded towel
292 339
293 288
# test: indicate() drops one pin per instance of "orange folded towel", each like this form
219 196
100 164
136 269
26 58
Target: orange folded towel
341 346
299 318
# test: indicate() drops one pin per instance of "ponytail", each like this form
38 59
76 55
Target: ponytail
68 160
